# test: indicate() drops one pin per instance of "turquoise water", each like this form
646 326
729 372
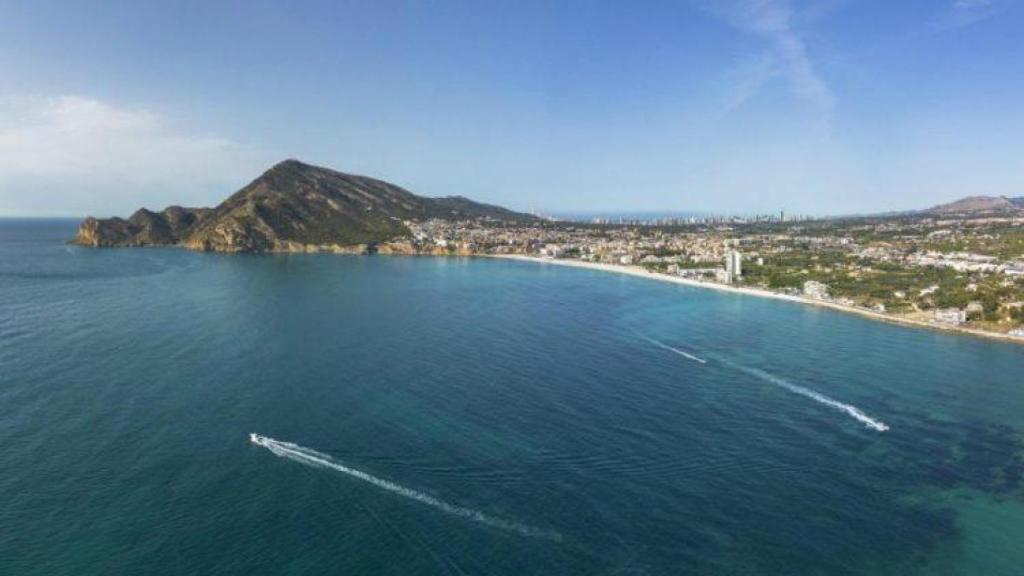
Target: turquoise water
475 416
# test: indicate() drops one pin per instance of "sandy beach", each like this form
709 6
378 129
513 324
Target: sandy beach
761 293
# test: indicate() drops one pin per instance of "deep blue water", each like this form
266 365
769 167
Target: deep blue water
529 419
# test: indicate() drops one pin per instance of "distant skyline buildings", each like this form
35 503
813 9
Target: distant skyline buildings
656 218
725 107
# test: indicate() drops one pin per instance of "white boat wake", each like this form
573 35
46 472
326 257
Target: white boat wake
850 410
313 458
674 350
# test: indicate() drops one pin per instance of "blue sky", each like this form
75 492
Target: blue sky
727 106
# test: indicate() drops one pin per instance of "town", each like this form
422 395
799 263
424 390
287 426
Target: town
947 271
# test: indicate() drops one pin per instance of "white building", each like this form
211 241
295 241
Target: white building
733 265
816 290
950 315
551 251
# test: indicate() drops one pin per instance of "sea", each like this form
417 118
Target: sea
171 412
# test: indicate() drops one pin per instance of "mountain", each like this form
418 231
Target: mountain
979 205
291 207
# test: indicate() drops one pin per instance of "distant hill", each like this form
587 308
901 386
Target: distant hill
291 207
973 205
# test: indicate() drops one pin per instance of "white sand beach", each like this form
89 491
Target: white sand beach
762 293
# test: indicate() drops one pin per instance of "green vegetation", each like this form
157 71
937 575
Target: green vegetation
900 289
1005 243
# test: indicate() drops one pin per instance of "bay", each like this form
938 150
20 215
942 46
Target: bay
480 416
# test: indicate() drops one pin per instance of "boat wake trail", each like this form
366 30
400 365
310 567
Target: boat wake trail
674 350
318 459
850 410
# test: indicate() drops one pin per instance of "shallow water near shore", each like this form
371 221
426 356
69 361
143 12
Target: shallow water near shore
481 416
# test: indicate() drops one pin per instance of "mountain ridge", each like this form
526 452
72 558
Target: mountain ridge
293 206
979 205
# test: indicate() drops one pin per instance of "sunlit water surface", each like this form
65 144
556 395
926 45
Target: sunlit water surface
477 416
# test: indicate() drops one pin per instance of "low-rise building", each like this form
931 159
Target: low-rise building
816 290
551 250
950 315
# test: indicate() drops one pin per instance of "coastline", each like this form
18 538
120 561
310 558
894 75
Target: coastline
761 293
636 271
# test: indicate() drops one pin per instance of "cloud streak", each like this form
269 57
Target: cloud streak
964 13
786 53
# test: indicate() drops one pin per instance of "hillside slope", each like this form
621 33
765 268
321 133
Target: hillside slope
291 207
979 205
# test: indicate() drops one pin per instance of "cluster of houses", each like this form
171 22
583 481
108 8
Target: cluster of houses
716 252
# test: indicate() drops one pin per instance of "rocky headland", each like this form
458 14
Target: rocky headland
294 207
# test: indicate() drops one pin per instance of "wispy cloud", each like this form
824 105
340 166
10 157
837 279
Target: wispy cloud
74 146
786 53
745 80
963 13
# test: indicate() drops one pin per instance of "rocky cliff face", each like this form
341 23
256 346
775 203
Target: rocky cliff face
293 207
144 228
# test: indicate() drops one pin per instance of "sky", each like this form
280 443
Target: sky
724 106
